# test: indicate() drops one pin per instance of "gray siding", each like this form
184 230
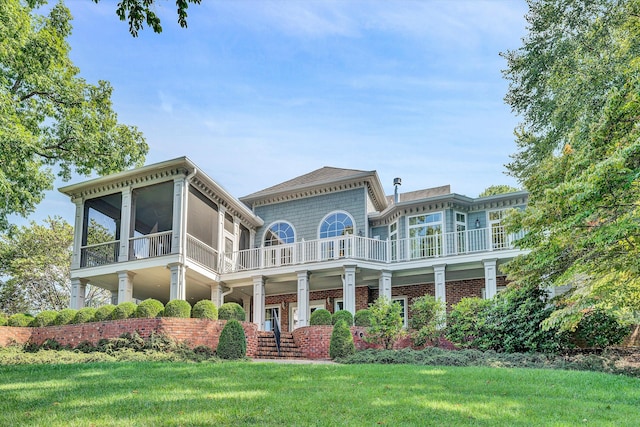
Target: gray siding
305 214
382 231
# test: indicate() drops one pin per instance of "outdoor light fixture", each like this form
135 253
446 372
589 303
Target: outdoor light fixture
477 223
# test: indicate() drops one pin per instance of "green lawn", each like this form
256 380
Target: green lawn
181 394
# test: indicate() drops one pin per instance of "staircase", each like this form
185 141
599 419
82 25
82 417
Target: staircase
267 346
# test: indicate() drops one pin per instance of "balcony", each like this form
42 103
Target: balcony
373 250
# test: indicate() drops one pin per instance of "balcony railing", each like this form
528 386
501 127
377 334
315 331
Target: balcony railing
99 254
202 253
362 248
150 245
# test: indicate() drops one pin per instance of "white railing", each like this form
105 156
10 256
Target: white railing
150 245
99 254
202 253
362 248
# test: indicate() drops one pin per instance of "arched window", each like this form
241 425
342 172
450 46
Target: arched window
279 233
336 224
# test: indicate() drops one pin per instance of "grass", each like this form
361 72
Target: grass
253 393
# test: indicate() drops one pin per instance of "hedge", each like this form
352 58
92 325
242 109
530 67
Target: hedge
104 312
45 318
124 310
342 315
231 310
341 344
205 309
65 316
320 317
232 343
85 315
362 318
20 320
149 309
177 308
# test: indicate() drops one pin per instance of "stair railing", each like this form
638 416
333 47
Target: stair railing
276 328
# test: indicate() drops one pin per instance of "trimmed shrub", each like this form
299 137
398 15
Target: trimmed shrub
124 310
104 312
205 309
342 315
149 308
20 320
232 343
177 308
362 318
65 316
85 315
3 319
320 317
341 344
231 310
45 318
427 319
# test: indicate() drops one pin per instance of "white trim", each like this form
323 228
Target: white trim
353 221
335 304
405 315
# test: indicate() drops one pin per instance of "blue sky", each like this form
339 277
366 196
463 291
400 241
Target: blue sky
258 92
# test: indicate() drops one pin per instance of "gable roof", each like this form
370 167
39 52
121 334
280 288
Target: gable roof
421 194
320 178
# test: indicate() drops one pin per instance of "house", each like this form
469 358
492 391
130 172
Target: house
328 239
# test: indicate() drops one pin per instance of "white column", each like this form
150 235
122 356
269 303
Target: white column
179 211
439 278
252 238
303 298
258 301
490 284
221 212
349 288
125 286
114 297
77 234
125 225
216 294
78 290
177 284
246 305
384 284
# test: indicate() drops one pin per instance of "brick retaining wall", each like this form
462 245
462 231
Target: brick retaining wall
193 332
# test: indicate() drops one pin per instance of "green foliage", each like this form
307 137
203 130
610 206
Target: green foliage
37 260
149 308
205 309
105 312
50 117
65 316
232 343
177 308
124 310
341 344
510 322
494 190
466 321
427 318
320 316
137 12
599 329
45 318
3 319
386 323
574 82
85 315
20 320
362 317
231 310
342 315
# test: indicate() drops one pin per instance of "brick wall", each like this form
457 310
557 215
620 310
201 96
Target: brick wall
193 332
10 335
313 341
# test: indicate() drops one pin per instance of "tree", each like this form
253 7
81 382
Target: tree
37 261
575 82
386 323
137 12
428 316
493 190
49 116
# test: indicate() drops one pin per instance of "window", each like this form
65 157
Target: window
338 304
498 234
403 303
425 232
279 233
336 224
269 319
393 237
461 233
